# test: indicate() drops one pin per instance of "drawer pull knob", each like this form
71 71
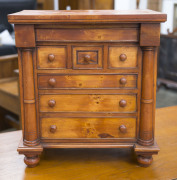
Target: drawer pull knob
87 58
123 128
122 103
51 103
53 128
51 57
52 82
123 57
123 80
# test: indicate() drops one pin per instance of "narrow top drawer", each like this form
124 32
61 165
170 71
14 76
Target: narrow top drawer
80 35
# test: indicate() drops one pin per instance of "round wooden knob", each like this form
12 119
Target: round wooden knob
52 82
123 57
122 103
123 80
87 58
51 103
123 128
51 57
53 128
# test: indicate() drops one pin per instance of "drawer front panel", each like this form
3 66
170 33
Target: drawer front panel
88 127
87 81
88 103
51 57
80 35
123 57
87 57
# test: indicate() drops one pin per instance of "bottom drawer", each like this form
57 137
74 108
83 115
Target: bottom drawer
88 128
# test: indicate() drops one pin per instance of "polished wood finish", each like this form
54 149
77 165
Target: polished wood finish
29 40
87 103
152 37
146 134
87 80
30 16
53 128
123 57
87 128
95 163
30 125
51 57
87 57
84 35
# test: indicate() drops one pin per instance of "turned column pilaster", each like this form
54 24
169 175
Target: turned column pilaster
30 135
146 131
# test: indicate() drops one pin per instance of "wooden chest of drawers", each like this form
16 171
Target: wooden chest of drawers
87 80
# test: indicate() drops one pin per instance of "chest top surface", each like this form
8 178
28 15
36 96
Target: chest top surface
36 16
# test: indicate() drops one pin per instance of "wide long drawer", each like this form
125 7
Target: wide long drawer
88 103
87 81
94 35
88 127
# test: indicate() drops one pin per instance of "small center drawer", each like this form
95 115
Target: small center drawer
88 103
87 81
88 128
87 57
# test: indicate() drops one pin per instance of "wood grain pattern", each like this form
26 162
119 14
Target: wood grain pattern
87 57
30 122
88 127
93 35
115 57
150 34
90 16
26 31
88 68
59 60
146 133
87 103
87 81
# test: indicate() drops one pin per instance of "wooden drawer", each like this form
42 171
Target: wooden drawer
88 127
122 57
88 103
51 57
92 35
87 57
87 81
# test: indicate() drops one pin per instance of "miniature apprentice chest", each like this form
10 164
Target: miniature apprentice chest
87 80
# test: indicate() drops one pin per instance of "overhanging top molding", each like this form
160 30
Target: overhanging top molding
102 16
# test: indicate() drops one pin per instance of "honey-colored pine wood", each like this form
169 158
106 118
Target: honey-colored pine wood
88 128
87 103
87 57
84 35
123 57
51 57
87 80
30 123
146 134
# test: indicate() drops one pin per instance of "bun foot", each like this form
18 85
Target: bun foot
31 160
144 161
